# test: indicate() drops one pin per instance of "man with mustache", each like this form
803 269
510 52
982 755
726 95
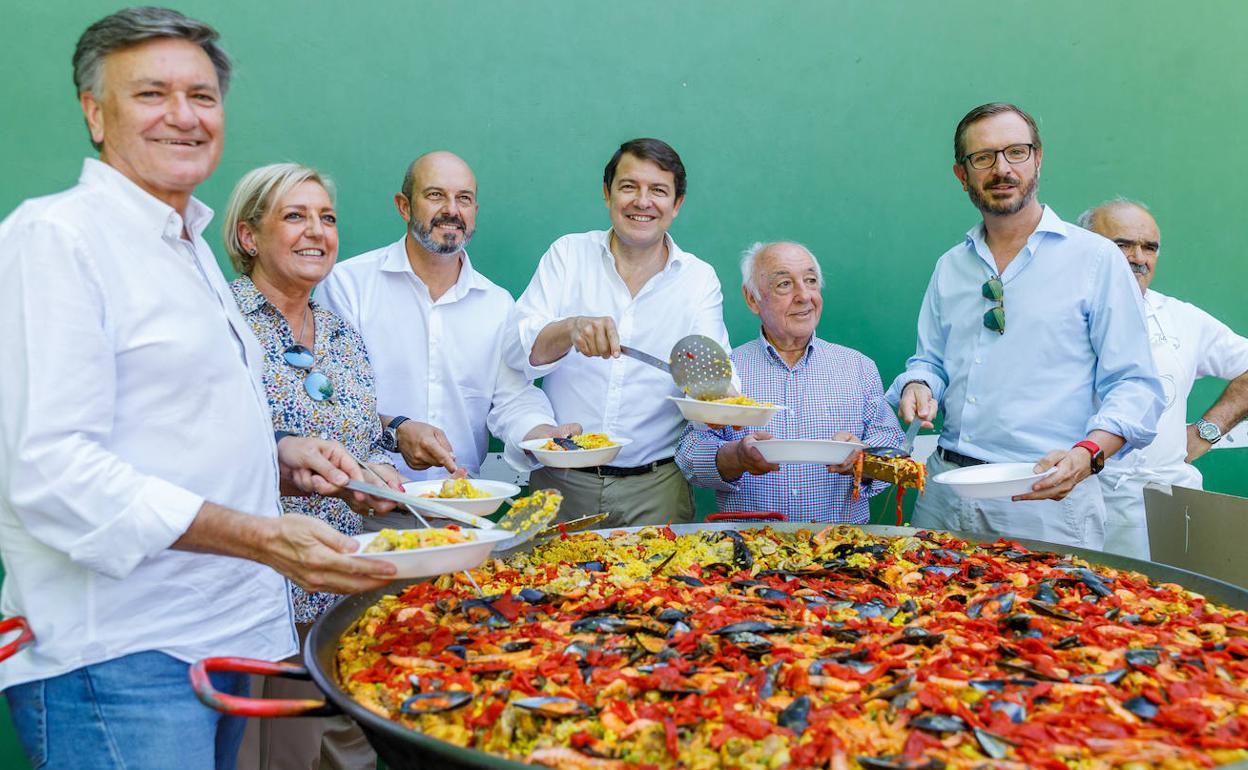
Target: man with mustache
1031 337
1186 343
434 328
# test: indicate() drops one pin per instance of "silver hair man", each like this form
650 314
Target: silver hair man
749 258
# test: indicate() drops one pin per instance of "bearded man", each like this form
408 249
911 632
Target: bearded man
1032 338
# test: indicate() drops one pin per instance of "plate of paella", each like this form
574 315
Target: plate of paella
480 497
427 552
584 450
740 411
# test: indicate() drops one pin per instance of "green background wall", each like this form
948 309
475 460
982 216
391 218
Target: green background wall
825 122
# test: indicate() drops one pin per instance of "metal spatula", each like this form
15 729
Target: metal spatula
906 446
699 366
528 517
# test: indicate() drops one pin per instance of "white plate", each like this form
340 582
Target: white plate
439 559
812 451
991 479
574 458
480 506
724 414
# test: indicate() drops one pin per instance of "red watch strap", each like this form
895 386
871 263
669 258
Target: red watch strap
1091 446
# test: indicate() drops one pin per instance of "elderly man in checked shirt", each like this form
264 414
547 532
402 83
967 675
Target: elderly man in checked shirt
832 392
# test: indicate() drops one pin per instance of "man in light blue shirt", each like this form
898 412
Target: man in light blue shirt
1032 338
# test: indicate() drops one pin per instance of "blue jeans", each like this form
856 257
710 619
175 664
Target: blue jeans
134 712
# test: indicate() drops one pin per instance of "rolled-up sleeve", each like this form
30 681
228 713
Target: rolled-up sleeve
696 453
58 389
538 307
516 408
1126 379
928 362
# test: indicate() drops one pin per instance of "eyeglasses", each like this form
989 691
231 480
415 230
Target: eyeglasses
316 385
985 159
995 319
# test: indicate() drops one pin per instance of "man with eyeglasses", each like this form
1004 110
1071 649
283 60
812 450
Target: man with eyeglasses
1031 337
1186 343
434 327
136 447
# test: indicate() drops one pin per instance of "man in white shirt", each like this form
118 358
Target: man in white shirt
595 291
434 328
1187 343
135 439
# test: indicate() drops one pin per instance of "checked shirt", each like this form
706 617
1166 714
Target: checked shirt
832 388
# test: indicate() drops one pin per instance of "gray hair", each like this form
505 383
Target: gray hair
1085 219
132 26
252 198
749 258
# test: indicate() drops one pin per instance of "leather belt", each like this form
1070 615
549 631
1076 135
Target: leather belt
611 470
960 460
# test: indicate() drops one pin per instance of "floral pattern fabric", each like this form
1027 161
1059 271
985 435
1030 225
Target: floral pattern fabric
350 417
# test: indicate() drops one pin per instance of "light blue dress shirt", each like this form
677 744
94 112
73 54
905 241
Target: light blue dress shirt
1074 356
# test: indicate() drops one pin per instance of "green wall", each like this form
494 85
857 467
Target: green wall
825 122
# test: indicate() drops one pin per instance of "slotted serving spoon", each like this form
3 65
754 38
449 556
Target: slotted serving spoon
698 364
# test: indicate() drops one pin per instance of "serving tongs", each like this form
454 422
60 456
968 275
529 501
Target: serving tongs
698 364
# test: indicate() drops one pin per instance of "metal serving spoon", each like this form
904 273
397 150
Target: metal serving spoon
698 365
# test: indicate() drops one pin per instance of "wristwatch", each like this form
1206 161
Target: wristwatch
390 435
1208 431
1098 454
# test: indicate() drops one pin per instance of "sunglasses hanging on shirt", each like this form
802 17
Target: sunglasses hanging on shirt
994 319
315 384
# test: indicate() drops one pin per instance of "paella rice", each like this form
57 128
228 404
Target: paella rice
457 489
584 441
764 649
410 539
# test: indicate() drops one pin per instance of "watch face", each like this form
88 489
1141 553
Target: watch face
389 441
1208 431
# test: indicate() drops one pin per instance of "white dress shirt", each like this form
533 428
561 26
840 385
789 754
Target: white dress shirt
1074 356
1187 343
438 362
131 393
621 397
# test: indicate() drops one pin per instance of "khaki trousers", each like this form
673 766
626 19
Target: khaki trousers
302 743
658 497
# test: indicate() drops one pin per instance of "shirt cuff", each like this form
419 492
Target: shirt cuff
159 514
696 455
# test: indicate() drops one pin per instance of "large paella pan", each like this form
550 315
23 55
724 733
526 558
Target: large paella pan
723 660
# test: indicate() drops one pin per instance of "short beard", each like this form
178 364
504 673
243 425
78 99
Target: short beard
426 240
1003 209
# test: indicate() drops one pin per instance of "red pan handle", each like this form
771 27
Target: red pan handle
747 516
240 706
24 638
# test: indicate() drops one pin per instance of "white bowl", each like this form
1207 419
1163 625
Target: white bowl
479 506
574 458
724 414
991 479
811 451
438 559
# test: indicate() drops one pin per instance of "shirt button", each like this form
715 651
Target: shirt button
978 360
972 400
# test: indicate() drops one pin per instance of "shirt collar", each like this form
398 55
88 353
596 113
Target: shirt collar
1050 222
675 256
775 354
396 261
161 216
250 299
